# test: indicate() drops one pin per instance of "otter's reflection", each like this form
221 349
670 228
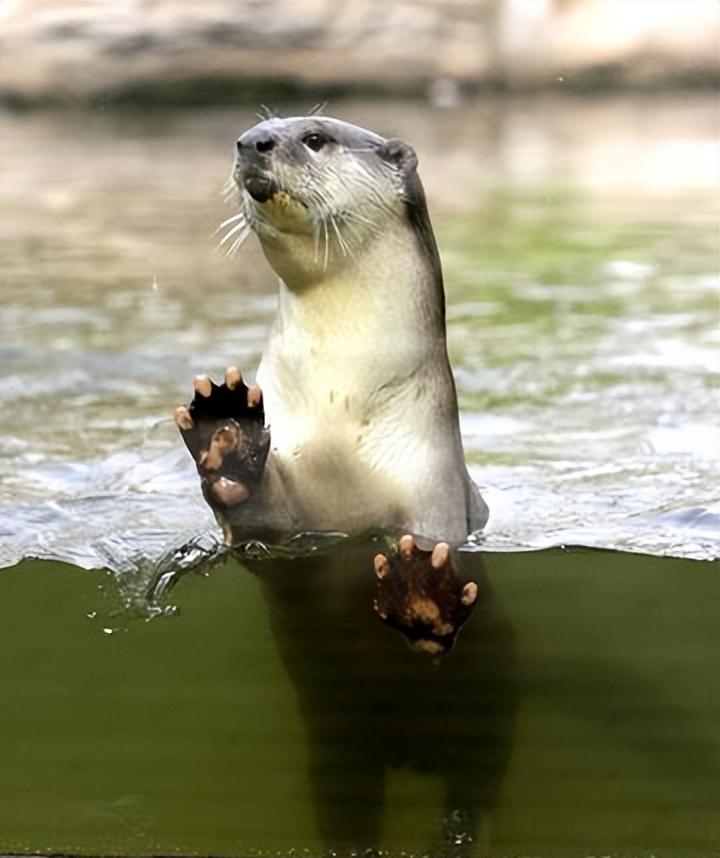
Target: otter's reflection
369 703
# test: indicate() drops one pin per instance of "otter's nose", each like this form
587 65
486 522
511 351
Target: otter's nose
263 144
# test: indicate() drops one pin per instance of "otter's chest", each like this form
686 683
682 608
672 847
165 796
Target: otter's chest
337 452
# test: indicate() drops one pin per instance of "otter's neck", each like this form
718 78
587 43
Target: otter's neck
387 294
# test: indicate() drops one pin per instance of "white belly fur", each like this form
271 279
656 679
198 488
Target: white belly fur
361 408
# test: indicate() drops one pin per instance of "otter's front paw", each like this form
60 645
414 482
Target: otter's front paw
224 430
420 595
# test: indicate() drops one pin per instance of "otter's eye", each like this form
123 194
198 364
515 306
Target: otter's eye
315 141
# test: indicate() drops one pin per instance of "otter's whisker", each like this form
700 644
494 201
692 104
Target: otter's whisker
350 219
337 220
238 216
352 229
237 228
326 257
350 216
368 181
325 214
230 188
266 112
344 248
316 242
318 222
235 246
318 109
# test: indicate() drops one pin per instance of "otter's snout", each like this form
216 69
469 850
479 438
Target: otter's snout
253 163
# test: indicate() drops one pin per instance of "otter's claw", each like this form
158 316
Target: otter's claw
420 595
233 377
182 418
406 546
224 430
439 556
202 385
254 396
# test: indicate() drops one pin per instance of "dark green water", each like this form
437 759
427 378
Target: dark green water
183 734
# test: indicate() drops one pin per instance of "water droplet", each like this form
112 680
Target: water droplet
107 631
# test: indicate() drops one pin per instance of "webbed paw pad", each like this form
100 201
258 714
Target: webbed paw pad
420 595
224 430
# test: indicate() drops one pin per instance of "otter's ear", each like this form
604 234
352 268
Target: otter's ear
400 154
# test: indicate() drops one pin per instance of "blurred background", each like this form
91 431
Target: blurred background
229 52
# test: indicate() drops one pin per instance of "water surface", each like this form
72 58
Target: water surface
579 246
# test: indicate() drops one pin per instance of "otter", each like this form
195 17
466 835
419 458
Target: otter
353 422
352 426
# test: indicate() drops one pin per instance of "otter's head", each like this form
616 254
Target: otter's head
315 190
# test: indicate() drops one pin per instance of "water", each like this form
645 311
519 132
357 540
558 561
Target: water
595 671
579 244
579 248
